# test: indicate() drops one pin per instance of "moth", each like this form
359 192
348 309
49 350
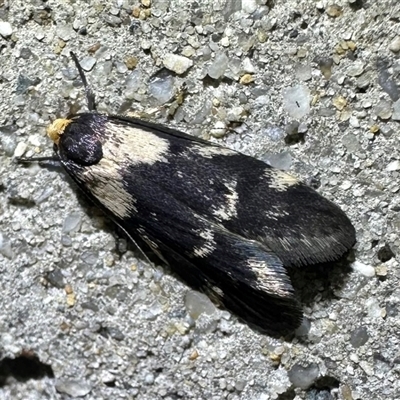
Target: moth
226 223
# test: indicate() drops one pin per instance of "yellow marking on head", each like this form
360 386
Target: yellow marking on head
56 129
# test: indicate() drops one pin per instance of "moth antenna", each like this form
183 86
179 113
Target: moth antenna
90 97
46 162
25 160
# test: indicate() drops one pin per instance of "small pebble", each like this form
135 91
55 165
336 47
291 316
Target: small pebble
218 67
303 72
297 101
325 65
339 102
387 82
381 270
87 63
5 29
20 149
240 384
395 45
194 355
219 130
197 303
393 166
56 278
346 185
40 35
359 337
396 111
107 377
247 66
65 32
131 62
383 109
225 42
281 161
303 377
249 6
176 63
149 379
363 81
354 122
161 87
367 368
363 269
373 308
5 246
73 388
121 67
72 222
374 129
334 11
246 79
9 142
356 69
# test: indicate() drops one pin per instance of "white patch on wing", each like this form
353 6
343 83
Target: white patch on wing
285 244
306 241
228 210
129 145
208 246
209 151
218 291
106 184
122 146
275 213
268 278
280 180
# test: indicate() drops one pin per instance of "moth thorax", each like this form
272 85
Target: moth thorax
56 129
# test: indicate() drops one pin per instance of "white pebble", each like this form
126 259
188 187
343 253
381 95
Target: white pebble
346 185
395 45
87 63
249 6
396 111
218 66
363 269
176 63
20 149
393 166
5 29
247 66
354 122
225 42
296 101
40 35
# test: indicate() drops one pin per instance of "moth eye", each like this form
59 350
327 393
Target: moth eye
83 149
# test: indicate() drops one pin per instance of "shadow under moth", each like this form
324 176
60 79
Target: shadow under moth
226 223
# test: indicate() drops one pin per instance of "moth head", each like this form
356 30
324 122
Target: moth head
56 129
76 141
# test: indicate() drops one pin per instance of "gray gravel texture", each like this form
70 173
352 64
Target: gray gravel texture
310 86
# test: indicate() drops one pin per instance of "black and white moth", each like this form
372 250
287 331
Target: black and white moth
226 223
